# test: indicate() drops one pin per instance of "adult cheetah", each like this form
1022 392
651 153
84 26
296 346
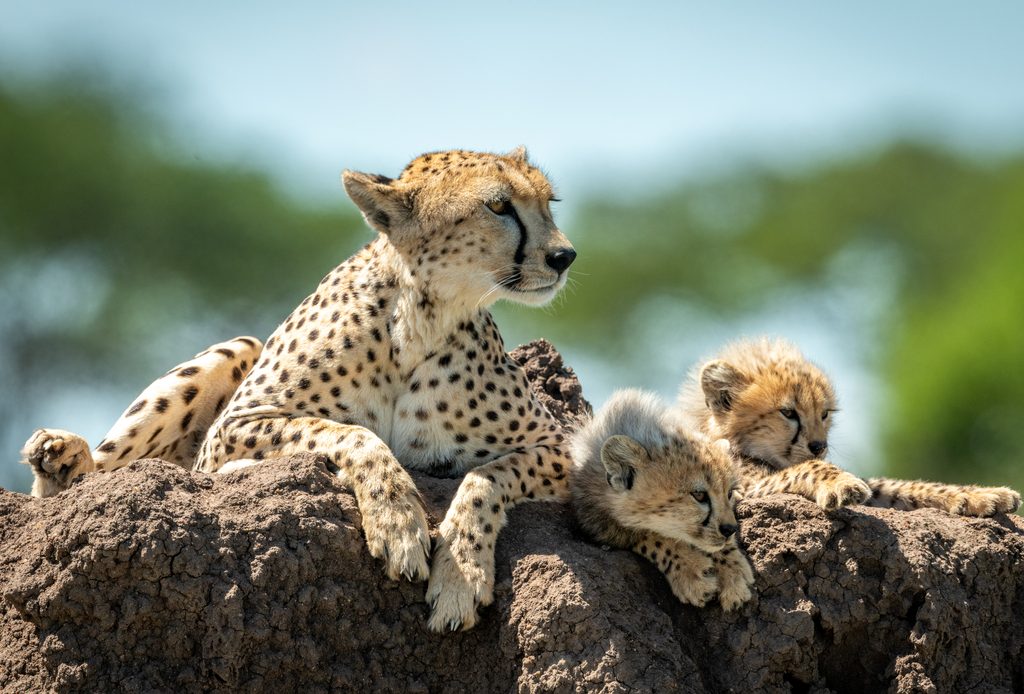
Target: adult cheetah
392 361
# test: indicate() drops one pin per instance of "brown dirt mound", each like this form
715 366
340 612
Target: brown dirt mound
154 578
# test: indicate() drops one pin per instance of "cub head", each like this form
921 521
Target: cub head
683 489
772 404
472 227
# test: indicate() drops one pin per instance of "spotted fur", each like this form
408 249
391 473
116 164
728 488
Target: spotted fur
641 481
776 409
393 362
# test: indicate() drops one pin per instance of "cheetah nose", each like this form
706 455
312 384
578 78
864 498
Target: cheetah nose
817 447
561 259
727 529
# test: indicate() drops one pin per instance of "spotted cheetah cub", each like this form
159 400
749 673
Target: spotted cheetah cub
640 481
776 408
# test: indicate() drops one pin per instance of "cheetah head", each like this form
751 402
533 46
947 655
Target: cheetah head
684 490
774 406
473 227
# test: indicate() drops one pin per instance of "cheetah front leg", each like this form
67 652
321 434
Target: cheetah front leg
690 572
964 500
394 522
462 571
820 481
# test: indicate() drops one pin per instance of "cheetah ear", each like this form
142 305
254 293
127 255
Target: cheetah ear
721 383
519 153
384 206
620 455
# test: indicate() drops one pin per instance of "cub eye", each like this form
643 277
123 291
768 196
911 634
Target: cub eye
701 497
824 415
500 207
788 413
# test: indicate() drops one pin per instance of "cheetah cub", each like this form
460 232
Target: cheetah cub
776 408
640 481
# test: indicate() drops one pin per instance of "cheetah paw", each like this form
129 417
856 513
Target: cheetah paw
844 490
398 534
988 501
455 590
736 580
57 458
696 584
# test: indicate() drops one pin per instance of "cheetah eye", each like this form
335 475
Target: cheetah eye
824 415
700 496
500 207
788 413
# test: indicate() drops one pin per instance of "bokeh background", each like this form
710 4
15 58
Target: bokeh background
851 177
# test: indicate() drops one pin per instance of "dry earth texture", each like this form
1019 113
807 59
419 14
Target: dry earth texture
157 579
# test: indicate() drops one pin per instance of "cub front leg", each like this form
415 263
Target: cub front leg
462 574
820 481
964 500
690 572
394 522
57 458
735 576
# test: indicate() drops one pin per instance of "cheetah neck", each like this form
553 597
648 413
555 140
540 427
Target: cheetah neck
424 317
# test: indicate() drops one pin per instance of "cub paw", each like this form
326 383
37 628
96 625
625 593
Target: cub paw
458 585
844 490
694 582
735 580
988 501
397 533
57 458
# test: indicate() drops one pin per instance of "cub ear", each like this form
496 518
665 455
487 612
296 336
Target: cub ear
721 383
383 205
723 446
620 456
519 153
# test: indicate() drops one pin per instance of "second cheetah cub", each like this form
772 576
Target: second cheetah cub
776 409
640 481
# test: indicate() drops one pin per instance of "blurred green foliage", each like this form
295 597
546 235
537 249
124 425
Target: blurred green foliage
91 193
944 231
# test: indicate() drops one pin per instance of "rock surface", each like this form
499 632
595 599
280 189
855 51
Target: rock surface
155 578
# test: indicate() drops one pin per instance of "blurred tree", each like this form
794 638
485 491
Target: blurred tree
946 232
112 250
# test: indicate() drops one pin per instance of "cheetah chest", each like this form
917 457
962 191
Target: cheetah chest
460 411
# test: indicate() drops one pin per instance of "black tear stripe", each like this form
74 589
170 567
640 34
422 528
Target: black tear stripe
520 255
707 518
799 428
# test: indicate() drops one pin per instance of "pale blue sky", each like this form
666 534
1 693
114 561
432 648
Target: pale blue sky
593 88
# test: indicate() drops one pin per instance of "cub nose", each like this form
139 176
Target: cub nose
817 447
561 259
727 529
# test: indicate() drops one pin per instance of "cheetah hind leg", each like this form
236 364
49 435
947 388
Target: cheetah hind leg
57 459
167 420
